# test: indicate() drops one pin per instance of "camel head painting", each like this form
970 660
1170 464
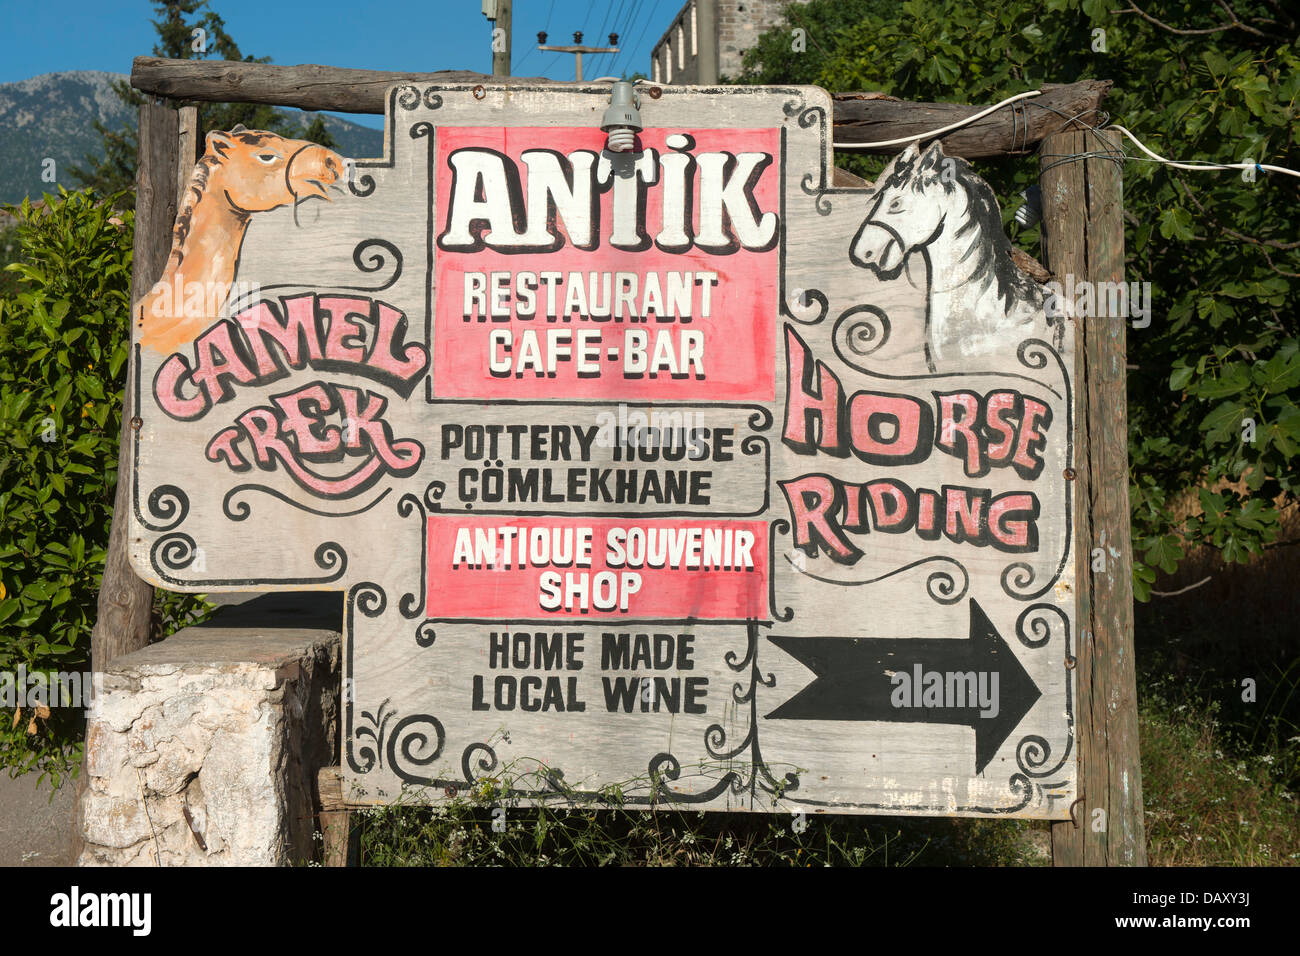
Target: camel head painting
933 207
241 173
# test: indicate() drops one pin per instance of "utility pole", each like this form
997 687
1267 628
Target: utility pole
576 49
498 12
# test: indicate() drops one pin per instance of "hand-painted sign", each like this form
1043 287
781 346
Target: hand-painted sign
673 472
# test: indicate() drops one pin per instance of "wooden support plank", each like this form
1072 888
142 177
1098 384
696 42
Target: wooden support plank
1084 238
307 86
858 117
341 843
1016 130
188 153
125 602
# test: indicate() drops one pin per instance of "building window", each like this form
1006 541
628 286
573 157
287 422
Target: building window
654 69
668 62
681 47
694 33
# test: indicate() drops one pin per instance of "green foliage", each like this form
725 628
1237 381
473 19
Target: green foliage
1221 253
64 340
180 38
487 827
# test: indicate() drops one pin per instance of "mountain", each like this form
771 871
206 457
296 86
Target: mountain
51 117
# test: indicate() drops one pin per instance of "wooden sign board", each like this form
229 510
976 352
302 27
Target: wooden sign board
672 477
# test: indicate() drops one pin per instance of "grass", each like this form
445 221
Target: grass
461 832
1209 807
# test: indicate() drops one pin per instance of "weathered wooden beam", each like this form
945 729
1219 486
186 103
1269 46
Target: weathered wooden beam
188 153
305 87
340 839
1083 233
859 117
125 602
1016 130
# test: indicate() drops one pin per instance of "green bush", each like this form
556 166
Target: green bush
64 341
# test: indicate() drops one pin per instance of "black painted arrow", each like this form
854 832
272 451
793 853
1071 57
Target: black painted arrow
854 681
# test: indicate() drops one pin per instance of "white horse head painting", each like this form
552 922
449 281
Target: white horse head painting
935 207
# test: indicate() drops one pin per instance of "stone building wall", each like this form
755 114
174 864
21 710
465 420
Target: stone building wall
675 57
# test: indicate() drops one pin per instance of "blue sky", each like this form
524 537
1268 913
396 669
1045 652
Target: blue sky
416 36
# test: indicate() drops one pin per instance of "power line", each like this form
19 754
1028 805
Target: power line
654 13
619 13
631 24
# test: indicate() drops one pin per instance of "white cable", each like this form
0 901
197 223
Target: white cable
944 129
1196 166
1120 129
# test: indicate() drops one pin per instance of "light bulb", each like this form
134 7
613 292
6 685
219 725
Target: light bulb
621 139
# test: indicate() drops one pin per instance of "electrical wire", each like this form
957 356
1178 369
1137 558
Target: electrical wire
1106 154
903 141
633 13
1198 166
652 12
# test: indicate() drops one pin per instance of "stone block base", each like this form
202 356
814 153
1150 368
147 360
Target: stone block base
204 749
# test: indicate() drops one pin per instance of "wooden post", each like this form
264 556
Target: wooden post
341 843
125 602
188 153
1083 235
501 58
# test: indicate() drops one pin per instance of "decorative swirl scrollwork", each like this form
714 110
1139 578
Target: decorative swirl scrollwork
810 116
362 185
1039 625
779 526
1018 783
940 585
369 598
802 299
426 634
866 334
1033 353
760 420
433 493
408 97
331 556
1033 751
421 130
811 187
168 504
486 764
754 445
409 746
432 100
174 552
413 742
793 107
1018 580
366 746
240 510
376 261
664 767
411 604
715 742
